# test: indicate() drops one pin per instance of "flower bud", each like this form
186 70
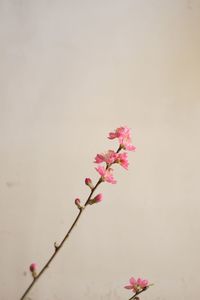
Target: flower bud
89 183
33 269
78 203
97 198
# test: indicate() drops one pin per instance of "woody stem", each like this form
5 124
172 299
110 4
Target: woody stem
58 247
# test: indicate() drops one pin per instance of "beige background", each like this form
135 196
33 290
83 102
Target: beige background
71 71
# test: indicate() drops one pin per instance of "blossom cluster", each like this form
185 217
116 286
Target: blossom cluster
111 157
107 159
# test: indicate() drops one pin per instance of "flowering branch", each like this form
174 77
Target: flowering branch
106 175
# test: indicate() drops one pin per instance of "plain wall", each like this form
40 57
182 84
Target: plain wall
71 71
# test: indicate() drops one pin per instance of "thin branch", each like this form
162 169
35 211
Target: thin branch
58 247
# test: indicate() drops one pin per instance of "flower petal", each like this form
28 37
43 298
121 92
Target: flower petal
132 281
128 287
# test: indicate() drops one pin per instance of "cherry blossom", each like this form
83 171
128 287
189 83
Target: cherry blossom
109 157
124 136
122 159
137 285
106 174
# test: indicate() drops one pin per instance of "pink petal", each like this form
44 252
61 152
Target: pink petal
128 287
112 135
130 147
99 159
144 283
101 170
132 281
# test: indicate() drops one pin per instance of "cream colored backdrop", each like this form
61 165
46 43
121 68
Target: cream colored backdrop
71 71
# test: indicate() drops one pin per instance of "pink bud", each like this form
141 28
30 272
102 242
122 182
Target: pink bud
78 203
33 267
89 183
98 198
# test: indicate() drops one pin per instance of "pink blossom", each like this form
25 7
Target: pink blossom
108 157
122 159
112 157
142 282
137 285
120 132
106 174
124 136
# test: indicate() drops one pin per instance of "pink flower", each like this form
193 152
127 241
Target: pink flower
108 157
122 159
137 285
112 157
124 136
106 174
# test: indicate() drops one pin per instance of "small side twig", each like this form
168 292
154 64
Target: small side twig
137 293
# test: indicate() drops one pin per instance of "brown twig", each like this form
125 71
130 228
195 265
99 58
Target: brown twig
137 293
